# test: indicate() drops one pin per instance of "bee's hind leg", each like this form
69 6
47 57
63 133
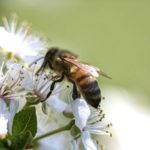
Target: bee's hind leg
75 93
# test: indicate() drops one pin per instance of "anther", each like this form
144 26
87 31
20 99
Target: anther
103 98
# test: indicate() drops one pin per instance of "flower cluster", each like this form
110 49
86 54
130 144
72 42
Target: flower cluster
27 116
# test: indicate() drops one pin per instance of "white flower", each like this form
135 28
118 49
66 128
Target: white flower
39 85
18 40
11 82
39 88
88 122
87 119
27 79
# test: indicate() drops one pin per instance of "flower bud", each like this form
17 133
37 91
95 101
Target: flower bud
68 114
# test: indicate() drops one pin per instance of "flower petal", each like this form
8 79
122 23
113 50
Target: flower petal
4 116
56 103
18 72
87 141
3 128
81 112
3 108
75 144
14 105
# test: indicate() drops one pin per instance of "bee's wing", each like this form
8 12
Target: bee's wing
68 54
94 71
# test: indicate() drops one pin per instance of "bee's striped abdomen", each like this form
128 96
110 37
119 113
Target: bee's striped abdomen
88 86
91 92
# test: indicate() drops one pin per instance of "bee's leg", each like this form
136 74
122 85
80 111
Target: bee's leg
75 93
53 85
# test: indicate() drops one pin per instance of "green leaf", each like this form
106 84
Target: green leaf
25 120
20 141
3 145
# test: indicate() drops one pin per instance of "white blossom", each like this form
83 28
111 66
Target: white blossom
18 41
88 122
39 85
11 81
12 84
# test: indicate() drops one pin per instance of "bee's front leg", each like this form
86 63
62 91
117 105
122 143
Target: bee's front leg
53 85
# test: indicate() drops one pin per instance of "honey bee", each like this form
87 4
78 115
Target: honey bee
81 75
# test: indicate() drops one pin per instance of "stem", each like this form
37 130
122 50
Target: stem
28 104
64 128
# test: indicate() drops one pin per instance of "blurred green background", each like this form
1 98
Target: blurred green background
113 35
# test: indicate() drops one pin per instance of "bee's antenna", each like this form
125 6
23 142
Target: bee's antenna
104 74
36 61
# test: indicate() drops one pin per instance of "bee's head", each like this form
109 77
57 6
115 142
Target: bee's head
48 59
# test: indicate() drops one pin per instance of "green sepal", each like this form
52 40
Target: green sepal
75 131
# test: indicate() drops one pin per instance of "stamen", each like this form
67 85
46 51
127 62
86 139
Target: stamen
44 86
97 116
13 23
109 125
99 146
10 96
6 24
16 82
103 98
